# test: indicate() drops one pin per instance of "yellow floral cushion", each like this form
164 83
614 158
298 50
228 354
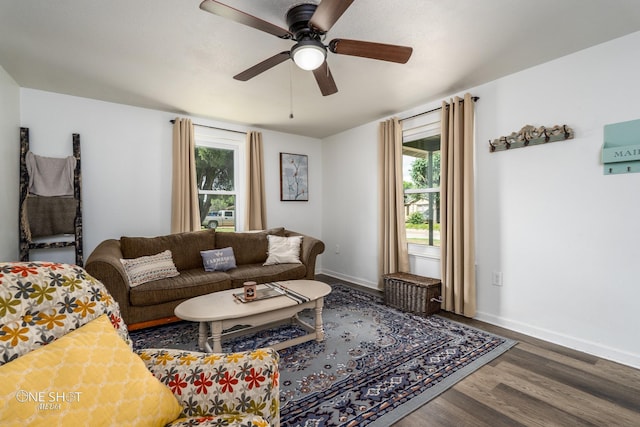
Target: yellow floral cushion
89 375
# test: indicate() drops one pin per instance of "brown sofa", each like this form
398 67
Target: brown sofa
153 302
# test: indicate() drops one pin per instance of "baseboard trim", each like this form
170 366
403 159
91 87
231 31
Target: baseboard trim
351 279
589 347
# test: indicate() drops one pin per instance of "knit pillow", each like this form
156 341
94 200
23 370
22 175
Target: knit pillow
147 268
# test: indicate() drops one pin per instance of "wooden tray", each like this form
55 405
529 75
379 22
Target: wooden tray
261 293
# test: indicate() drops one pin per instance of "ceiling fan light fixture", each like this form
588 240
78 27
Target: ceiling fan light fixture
309 54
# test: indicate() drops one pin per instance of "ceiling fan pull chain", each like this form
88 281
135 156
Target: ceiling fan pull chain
291 90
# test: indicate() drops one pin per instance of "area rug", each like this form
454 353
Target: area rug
376 364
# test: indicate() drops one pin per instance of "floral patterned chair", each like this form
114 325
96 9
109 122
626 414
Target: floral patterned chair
66 359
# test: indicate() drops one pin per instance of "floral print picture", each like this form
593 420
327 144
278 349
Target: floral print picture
294 177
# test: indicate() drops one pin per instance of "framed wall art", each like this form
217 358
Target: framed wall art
294 177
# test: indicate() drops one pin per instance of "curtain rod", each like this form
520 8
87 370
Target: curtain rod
473 98
212 127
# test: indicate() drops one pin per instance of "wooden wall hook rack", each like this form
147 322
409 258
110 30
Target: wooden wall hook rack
530 135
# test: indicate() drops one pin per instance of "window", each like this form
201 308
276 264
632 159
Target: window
421 179
219 155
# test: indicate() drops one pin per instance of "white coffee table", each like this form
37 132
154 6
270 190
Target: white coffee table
220 311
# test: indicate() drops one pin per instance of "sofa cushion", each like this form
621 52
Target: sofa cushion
233 420
148 268
248 247
185 247
189 284
87 376
236 383
218 259
266 273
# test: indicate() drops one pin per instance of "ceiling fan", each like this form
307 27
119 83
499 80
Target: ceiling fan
308 24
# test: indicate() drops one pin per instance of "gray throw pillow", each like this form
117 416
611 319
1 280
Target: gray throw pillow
218 259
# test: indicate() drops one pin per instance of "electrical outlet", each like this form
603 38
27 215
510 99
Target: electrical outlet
497 278
337 249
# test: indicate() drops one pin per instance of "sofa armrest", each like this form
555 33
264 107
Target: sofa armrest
311 248
104 264
216 384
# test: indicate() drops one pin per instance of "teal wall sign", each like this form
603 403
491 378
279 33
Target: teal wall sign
621 149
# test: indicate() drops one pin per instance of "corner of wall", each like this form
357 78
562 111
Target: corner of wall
9 164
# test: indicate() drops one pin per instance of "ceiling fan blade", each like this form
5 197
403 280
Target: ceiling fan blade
381 51
263 66
327 13
325 80
241 17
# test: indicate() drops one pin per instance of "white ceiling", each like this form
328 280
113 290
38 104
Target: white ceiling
170 55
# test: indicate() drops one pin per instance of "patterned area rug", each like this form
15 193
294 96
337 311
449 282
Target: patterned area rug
376 365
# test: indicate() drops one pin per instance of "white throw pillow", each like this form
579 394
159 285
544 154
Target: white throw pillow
283 250
147 268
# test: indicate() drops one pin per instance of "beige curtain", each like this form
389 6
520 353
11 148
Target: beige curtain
185 210
392 245
457 207
256 216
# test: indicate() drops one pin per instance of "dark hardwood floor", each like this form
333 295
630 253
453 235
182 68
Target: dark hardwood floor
535 383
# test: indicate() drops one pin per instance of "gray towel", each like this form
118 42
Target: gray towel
49 176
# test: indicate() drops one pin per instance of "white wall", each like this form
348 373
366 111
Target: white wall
350 209
9 165
126 166
563 234
305 217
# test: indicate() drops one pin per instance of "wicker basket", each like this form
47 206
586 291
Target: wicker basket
412 293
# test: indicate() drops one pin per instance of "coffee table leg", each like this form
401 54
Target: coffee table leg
319 327
202 335
216 335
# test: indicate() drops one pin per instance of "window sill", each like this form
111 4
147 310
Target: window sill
424 251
